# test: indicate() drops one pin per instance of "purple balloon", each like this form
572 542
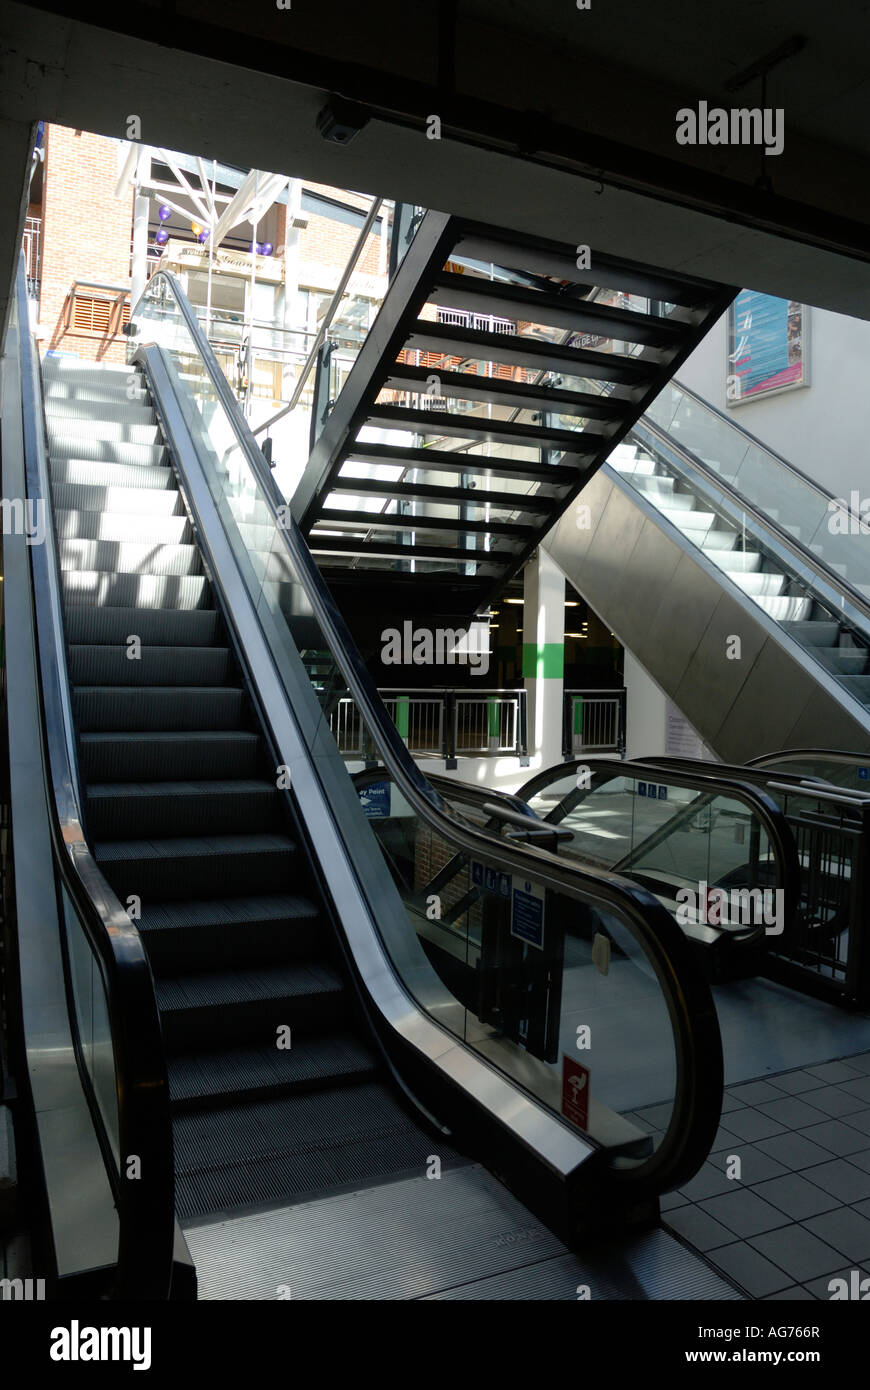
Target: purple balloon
161 236
203 236
266 248
165 213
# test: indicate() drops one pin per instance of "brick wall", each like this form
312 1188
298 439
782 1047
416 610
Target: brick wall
86 234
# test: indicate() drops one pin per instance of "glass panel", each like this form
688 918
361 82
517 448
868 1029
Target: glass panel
92 1018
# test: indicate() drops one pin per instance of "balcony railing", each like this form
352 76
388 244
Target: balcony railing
593 722
446 724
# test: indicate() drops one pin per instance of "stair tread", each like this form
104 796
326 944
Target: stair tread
214 912
202 846
311 1058
204 989
201 788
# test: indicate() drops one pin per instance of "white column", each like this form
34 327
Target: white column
544 657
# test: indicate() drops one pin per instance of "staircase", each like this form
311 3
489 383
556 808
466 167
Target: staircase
495 380
188 826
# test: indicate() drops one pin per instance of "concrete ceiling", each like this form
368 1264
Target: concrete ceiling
555 120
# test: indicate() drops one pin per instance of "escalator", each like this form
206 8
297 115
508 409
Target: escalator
230 1018
780 845
757 581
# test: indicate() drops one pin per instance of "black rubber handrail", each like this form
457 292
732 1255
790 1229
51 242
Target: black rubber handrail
145 1202
752 772
696 1032
709 784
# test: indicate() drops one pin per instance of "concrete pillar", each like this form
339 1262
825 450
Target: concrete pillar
139 276
544 657
16 156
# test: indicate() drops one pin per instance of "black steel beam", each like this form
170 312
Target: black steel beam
451 340
492 390
483 430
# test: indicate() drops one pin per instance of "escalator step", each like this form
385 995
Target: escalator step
116 410
135 810
248 1006
69 446
65 432
103 499
128 557
121 526
166 666
59 389
293 1147
164 709
280 927
102 588
164 627
104 473
198 868
312 1060
163 757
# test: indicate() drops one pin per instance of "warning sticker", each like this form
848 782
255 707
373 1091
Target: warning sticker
575 1092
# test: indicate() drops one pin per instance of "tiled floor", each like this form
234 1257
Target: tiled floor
795 1212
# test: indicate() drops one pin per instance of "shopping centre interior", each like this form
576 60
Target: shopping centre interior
435 799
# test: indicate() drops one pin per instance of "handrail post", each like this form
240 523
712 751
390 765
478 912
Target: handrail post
450 722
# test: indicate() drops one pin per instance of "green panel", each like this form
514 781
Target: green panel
547 660
403 710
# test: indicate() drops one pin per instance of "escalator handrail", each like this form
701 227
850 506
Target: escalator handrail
762 518
697 1038
763 806
791 782
834 755
145 1204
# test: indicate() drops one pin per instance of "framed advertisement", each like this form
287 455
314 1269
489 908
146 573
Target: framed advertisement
768 346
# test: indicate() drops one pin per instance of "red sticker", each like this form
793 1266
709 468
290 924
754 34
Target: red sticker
575 1092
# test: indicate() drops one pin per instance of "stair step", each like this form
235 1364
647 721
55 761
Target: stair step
315 1060
198 868
785 608
153 591
248 1004
280 927
63 429
749 561
68 413
77 370
689 520
144 503
657 485
290 1148
121 526
164 757
142 709
758 583
847 661
104 473
814 634
155 666
61 388
65 444
135 810
129 557
159 627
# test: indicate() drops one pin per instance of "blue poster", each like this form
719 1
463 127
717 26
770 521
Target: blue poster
375 800
766 350
527 913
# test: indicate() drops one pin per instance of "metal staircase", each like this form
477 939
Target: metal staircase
495 380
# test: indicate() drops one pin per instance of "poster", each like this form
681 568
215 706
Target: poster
767 346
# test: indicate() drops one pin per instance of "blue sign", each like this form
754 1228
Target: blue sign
492 880
375 800
641 788
663 793
477 873
527 914
504 885
864 773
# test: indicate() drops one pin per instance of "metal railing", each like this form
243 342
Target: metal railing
442 723
31 243
593 722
